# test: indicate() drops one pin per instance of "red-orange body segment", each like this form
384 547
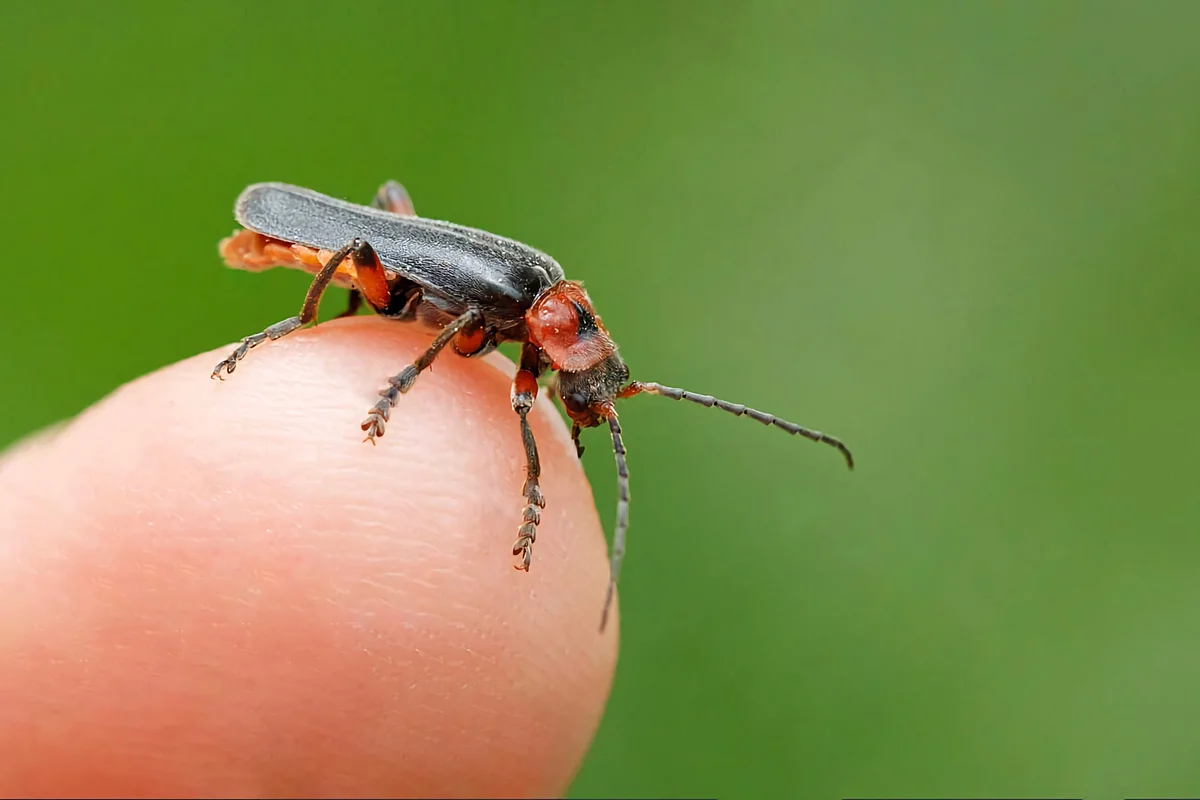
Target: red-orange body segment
470 341
564 324
524 383
255 252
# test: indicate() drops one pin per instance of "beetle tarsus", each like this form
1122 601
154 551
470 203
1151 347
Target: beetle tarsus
532 515
576 430
276 331
308 312
376 422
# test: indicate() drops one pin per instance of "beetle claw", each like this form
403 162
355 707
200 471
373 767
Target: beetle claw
374 426
523 547
376 422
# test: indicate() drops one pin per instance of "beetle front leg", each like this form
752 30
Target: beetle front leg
360 253
376 422
576 430
524 392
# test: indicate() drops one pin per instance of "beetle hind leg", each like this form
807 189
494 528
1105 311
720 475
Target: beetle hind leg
376 422
391 197
370 274
353 304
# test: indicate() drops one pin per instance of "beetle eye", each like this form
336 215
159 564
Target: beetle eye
575 401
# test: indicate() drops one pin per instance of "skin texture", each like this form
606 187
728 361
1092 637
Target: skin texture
217 589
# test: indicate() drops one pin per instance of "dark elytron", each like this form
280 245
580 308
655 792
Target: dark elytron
479 289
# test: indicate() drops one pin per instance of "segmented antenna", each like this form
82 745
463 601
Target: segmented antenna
618 547
740 411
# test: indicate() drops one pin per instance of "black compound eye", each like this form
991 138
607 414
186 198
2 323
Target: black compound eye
575 401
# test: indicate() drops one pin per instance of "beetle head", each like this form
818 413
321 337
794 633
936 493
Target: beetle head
588 396
564 325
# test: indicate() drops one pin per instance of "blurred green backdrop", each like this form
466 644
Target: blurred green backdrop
963 236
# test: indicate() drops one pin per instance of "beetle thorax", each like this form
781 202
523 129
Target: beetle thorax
564 325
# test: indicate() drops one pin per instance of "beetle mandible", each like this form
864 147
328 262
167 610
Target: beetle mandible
479 289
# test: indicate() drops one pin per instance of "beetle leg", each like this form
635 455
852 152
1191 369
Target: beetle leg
359 253
524 392
394 198
353 305
575 431
576 428
376 422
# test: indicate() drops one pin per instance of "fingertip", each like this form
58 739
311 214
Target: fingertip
232 587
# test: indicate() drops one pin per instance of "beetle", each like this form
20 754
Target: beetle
479 290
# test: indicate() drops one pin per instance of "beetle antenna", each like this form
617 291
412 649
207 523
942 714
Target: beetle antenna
618 550
738 410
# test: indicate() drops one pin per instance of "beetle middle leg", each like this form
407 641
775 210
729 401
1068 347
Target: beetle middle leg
524 392
353 304
394 198
376 422
370 272
391 197
576 430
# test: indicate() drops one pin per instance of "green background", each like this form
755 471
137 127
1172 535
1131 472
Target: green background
963 236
